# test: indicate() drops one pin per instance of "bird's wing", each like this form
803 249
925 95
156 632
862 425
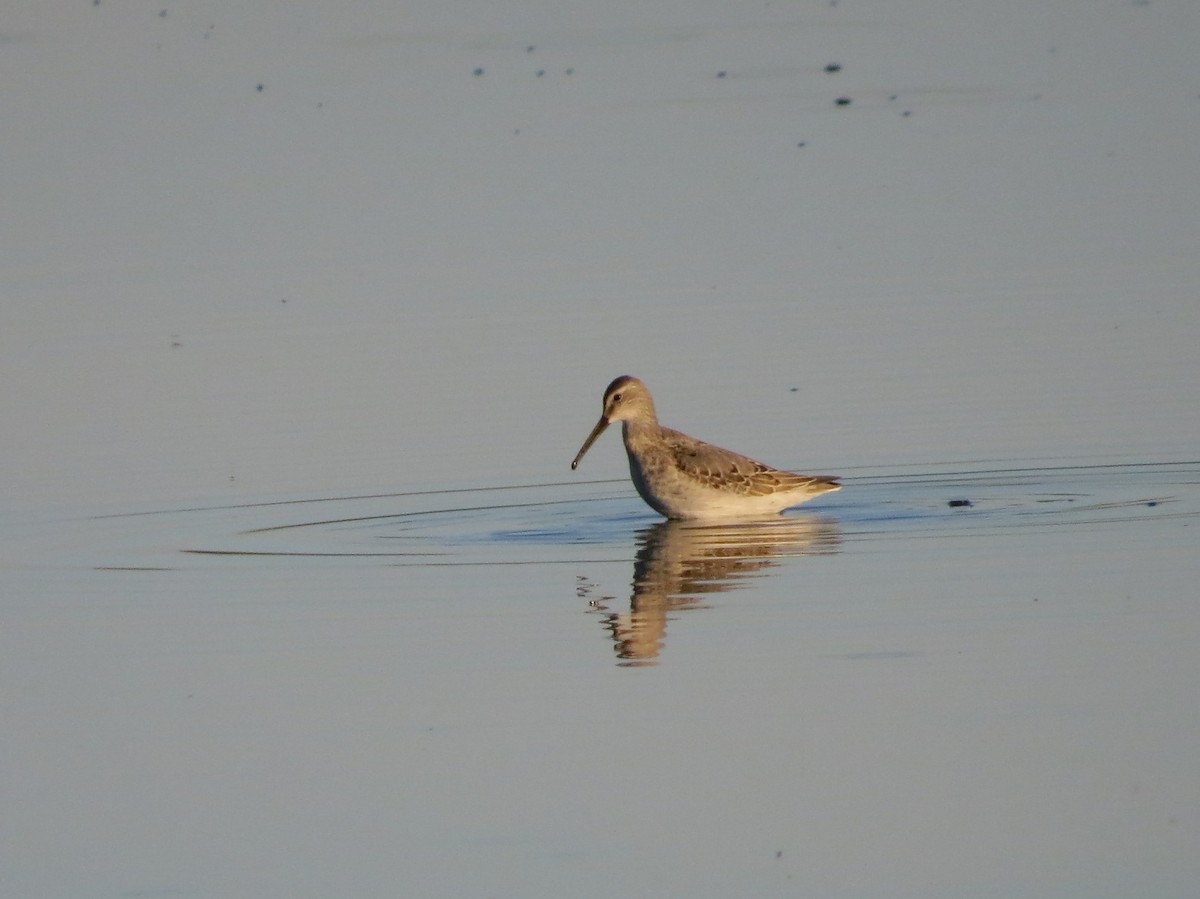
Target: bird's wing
728 470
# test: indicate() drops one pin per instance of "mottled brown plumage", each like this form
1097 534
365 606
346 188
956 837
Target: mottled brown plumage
682 477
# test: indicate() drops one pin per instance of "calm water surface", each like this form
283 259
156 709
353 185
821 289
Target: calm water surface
305 316
994 669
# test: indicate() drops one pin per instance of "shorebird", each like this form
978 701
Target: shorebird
681 477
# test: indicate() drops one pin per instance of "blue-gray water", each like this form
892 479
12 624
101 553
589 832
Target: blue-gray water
304 316
547 689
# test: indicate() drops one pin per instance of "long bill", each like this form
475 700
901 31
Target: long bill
587 444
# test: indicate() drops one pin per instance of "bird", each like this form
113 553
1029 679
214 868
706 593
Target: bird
681 477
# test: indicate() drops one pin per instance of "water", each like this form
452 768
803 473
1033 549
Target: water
300 597
532 681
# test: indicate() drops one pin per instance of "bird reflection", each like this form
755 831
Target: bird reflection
678 563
